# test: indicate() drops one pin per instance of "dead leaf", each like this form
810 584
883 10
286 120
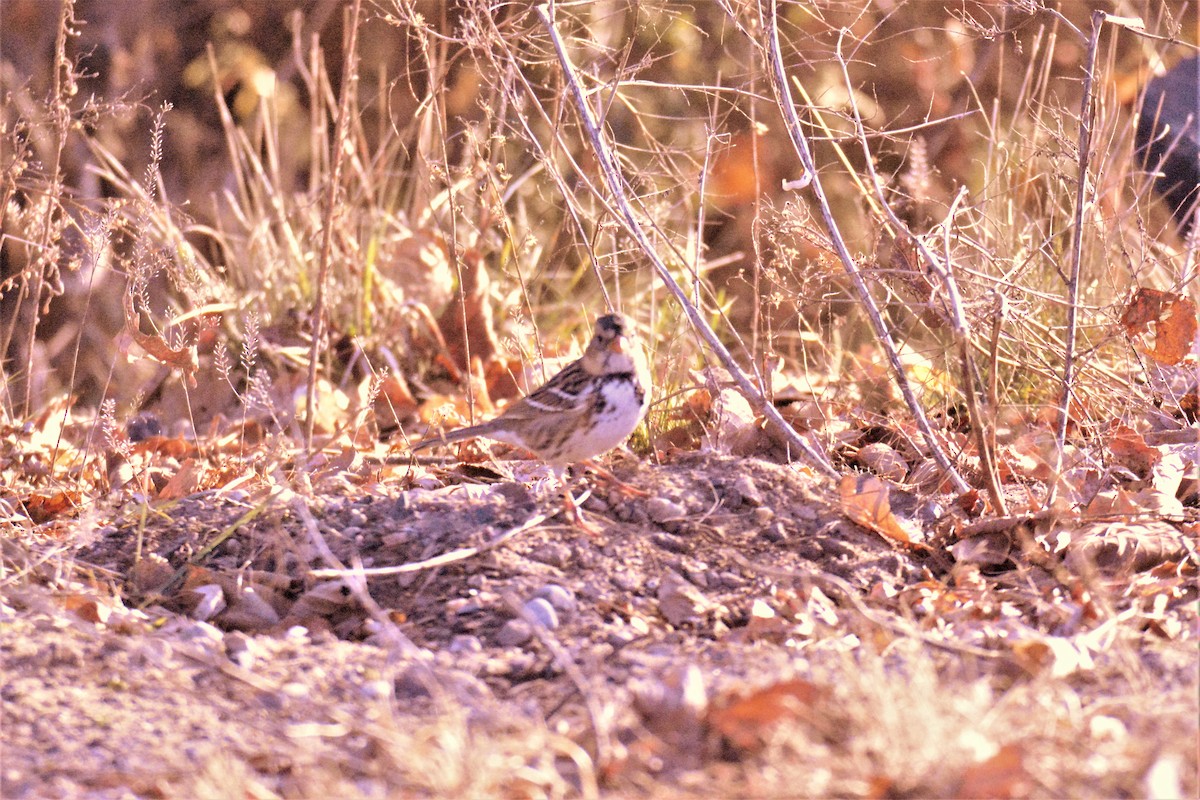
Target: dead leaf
985 550
184 358
864 501
883 460
1121 548
1001 776
86 608
745 722
1174 321
1130 450
43 507
473 304
184 482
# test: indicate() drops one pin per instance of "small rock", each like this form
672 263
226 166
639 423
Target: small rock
621 637
625 581
670 543
241 649
697 575
680 601
597 504
377 690
515 632
730 580
810 549
552 554
295 689
763 516
660 510
201 633
211 603
465 643
774 533
540 609
745 486
562 599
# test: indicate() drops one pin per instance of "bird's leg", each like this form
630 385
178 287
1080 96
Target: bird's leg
571 509
618 484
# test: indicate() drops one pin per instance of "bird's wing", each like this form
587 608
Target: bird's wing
569 393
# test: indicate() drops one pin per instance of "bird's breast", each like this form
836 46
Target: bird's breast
617 406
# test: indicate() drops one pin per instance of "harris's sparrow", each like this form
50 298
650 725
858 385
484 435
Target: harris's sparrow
588 408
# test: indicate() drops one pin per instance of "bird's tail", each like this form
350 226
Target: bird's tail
450 437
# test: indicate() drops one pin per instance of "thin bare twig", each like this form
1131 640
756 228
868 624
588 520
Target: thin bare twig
800 142
1086 118
461 554
629 219
353 578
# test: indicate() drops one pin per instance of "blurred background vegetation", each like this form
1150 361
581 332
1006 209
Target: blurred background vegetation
185 149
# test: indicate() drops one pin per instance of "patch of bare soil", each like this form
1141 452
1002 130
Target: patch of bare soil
729 634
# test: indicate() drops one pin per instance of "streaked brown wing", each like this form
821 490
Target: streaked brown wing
565 395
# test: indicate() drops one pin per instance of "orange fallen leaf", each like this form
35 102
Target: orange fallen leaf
864 501
744 722
1001 776
1174 320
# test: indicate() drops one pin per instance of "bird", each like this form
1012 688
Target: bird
589 407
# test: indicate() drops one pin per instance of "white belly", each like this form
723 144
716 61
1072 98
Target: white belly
620 413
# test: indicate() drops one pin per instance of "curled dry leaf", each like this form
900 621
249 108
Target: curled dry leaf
1130 450
415 265
183 358
184 482
864 501
883 460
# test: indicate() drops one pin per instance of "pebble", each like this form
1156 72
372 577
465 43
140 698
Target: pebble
763 516
295 689
774 533
465 643
514 633
552 554
810 549
562 599
621 637
661 510
746 487
625 581
539 608
670 543
241 649
201 633
377 690
698 576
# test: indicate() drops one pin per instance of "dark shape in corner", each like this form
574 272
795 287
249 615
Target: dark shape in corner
1168 137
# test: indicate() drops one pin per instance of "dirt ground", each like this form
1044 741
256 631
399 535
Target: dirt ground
729 635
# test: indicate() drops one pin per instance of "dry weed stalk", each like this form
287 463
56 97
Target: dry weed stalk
631 220
349 86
